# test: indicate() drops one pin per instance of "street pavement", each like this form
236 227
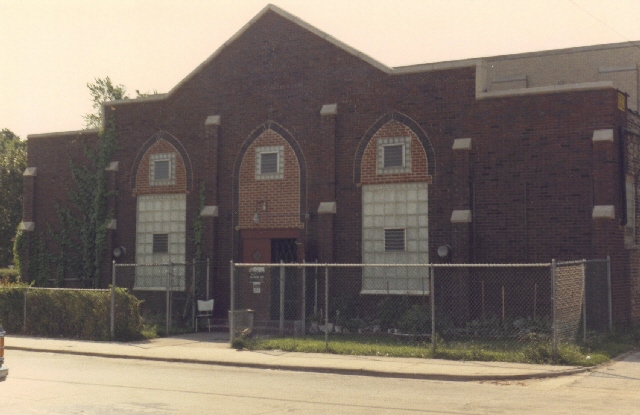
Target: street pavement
214 349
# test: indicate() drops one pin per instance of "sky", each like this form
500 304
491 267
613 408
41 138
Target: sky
51 49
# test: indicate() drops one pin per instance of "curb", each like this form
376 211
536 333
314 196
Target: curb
324 370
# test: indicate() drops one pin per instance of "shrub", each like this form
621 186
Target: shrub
70 313
9 276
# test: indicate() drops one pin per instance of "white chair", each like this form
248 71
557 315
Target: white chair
205 310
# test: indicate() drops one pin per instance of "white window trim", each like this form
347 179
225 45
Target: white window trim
406 155
171 158
279 174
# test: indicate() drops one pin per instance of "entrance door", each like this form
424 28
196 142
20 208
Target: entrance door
285 250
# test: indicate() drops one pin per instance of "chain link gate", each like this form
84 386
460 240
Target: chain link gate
164 287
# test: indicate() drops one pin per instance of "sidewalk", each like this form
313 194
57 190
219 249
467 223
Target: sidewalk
213 349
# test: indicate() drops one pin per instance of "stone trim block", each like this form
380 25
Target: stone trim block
212 120
27 226
461 216
113 166
462 144
329 109
604 212
30 171
327 208
209 212
603 135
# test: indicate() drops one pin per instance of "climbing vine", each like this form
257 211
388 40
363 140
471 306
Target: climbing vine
198 231
81 231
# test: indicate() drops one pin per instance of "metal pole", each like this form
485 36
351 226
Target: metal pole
193 294
168 299
326 308
207 279
554 300
315 298
433 310
232 304
609 292
584 304
282 277
304 299
113 299
24 322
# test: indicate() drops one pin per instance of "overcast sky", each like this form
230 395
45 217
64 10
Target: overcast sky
50 49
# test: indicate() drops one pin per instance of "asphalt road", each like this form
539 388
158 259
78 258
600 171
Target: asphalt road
45 383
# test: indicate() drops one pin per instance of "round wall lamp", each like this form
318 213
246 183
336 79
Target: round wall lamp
119 251
444 251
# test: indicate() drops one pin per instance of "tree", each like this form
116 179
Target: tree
13 161
103 90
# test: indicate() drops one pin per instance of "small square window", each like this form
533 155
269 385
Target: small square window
162 169
394 240
393 155
269 163
160 243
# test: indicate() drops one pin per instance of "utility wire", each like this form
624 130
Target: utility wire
605 24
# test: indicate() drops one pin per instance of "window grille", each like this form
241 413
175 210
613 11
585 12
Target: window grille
268 163
394 156
394 239
160 243
162 170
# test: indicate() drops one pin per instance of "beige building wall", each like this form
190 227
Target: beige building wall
616 62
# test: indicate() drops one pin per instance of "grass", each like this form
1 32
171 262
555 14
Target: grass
600 350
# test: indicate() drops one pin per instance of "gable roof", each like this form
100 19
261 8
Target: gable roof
270 7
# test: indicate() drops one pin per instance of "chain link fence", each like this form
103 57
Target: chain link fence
169 290
505 304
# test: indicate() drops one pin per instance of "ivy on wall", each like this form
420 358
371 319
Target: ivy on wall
81 232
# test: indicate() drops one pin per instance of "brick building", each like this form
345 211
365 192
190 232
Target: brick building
299 143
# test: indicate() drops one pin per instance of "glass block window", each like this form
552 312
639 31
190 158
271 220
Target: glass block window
162 169
393 240
160 239
395 231
269 162
394 155
630 227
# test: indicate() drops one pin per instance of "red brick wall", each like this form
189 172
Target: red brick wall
143 186
280 197
369 164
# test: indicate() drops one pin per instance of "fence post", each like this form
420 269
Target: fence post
282 277
24 314
193 294
584 301
432 293
609 292
326 308
168 316
554 302
113 300
304 298
207 295
232 304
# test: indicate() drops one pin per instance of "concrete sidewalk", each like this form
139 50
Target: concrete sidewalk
213 349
